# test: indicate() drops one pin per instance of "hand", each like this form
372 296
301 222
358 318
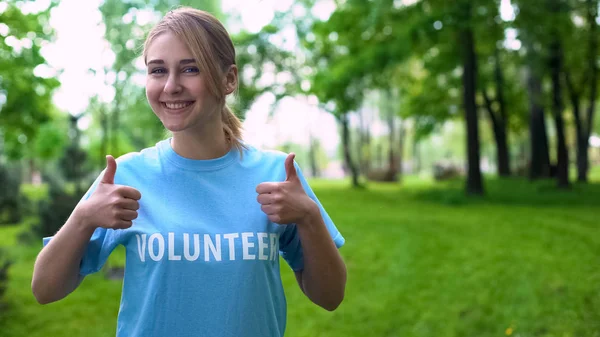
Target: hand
111 206
286 202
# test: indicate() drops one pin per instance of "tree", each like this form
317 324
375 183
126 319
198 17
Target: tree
25 94
581 78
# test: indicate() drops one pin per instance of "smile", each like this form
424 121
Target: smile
176 105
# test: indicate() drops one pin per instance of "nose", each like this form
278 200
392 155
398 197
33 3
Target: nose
172 86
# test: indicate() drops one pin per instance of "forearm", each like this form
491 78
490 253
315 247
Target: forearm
324 276
56 270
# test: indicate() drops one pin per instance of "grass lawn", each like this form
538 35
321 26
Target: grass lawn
423 260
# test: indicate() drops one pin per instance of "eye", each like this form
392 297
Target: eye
191 70
158 71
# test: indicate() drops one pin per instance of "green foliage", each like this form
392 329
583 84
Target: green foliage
10 203
25 98
5 263
54 211
257 55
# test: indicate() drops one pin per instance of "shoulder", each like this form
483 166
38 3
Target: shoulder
256 155
144 157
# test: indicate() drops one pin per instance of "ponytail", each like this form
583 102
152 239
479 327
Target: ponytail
232 127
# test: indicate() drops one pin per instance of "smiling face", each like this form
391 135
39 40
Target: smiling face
176 88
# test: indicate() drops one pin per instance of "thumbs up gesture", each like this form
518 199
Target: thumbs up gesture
286 202
111 206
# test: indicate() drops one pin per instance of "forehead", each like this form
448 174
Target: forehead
168 47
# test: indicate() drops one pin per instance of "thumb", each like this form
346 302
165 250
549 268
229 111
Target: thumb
290 170
111 169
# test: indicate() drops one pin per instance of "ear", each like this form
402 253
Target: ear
231 79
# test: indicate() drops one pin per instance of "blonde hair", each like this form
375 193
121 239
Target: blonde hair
213 50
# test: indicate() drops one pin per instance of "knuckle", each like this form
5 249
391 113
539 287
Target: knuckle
115 199
115 212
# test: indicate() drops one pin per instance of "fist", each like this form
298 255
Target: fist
286 202
111 206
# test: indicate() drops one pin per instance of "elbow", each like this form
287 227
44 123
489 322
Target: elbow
333 303
39 295
330 302
42 294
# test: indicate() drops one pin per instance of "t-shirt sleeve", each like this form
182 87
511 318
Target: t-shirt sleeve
100 246
289 241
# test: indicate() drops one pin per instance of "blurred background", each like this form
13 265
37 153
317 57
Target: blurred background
455 144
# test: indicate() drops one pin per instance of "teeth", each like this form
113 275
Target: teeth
177 105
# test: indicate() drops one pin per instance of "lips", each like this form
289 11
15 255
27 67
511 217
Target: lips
177 105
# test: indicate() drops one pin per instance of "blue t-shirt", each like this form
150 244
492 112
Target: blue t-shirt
202 258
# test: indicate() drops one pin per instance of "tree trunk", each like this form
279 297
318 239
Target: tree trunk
105 136
539 166
401 134
562 166
391 157
346 144
474 184
364 153
312 156
500 131
582 139
369 153
416 155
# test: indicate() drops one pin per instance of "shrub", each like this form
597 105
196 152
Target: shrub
444 170
10 203
5 264
54 211
382 175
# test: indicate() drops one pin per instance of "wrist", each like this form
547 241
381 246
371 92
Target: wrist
81 218
312 216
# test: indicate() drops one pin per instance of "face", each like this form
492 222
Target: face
175 87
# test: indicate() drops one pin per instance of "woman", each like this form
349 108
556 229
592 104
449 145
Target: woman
203 216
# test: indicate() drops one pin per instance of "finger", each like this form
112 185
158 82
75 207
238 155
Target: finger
268 209
129 204
267 188
122 224
290 170
265 199
130 192
275 218
111 169
128 215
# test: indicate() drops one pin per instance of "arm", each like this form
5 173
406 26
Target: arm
56 269
323 278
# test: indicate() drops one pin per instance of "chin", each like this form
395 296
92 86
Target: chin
174 128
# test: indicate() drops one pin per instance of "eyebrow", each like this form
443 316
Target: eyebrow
184 61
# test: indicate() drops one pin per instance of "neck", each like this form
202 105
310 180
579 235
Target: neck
209 142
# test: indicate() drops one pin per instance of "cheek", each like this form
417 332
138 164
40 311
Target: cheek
153 90
197 87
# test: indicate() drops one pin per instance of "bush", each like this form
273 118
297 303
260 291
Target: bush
382 175
444 170
5 264
10 203
54 211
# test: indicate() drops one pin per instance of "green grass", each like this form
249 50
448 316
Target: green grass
423 260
